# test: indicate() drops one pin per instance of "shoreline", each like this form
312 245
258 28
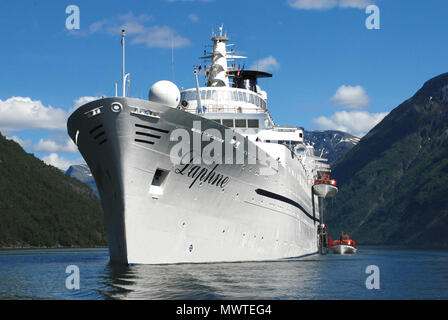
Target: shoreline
17 247
367 246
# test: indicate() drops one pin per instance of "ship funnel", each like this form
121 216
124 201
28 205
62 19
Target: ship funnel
165 92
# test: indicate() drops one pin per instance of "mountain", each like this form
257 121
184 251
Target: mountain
40 206
330 144
394 182
82 173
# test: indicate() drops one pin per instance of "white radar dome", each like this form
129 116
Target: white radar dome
165 92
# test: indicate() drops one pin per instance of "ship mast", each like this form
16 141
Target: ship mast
218 69
124 76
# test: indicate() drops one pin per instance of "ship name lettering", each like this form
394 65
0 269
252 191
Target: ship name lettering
196 173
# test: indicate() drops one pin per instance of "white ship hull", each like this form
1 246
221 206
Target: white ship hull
344 249
252 218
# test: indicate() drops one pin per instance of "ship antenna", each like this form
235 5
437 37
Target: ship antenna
198 95
172 57
123 34
124 75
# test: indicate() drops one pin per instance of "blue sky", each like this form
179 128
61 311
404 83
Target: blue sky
330 71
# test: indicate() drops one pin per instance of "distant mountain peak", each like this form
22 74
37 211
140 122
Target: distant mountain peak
330 144
82 173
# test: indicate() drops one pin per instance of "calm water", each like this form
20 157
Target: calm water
404 274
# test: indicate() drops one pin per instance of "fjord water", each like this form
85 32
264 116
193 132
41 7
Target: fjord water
404 274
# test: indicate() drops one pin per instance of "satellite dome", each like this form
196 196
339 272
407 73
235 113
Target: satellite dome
165 92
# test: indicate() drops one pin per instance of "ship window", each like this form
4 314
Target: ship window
217 120
240 95
227 122
203 94
214 95
158 181
251 98
263 104
240 123
235 96
252 123
244 97
209 94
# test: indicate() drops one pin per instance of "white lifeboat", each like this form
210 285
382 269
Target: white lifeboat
325 187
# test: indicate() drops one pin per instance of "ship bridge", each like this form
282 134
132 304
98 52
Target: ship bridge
223 99
233 98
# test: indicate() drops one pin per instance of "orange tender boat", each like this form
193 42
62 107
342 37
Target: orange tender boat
325 187
344 245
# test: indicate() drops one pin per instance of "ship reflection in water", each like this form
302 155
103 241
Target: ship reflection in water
316 277
404 274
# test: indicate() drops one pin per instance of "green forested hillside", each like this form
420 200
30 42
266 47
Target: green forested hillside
394 182
40 206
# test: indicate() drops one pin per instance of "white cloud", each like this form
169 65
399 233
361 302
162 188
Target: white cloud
60 162
139 32
351 97
50 146
131 23
161 37
23 143
23 113
97 26
81 101
354 122
360 4
193 17
327 4
266 64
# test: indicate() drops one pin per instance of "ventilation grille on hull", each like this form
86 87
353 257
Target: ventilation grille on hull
148 134
98 134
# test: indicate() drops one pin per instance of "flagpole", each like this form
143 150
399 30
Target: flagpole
123 33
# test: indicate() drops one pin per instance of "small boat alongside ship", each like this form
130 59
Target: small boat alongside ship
325 187
344 245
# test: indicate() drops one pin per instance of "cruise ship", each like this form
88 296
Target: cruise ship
201 174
